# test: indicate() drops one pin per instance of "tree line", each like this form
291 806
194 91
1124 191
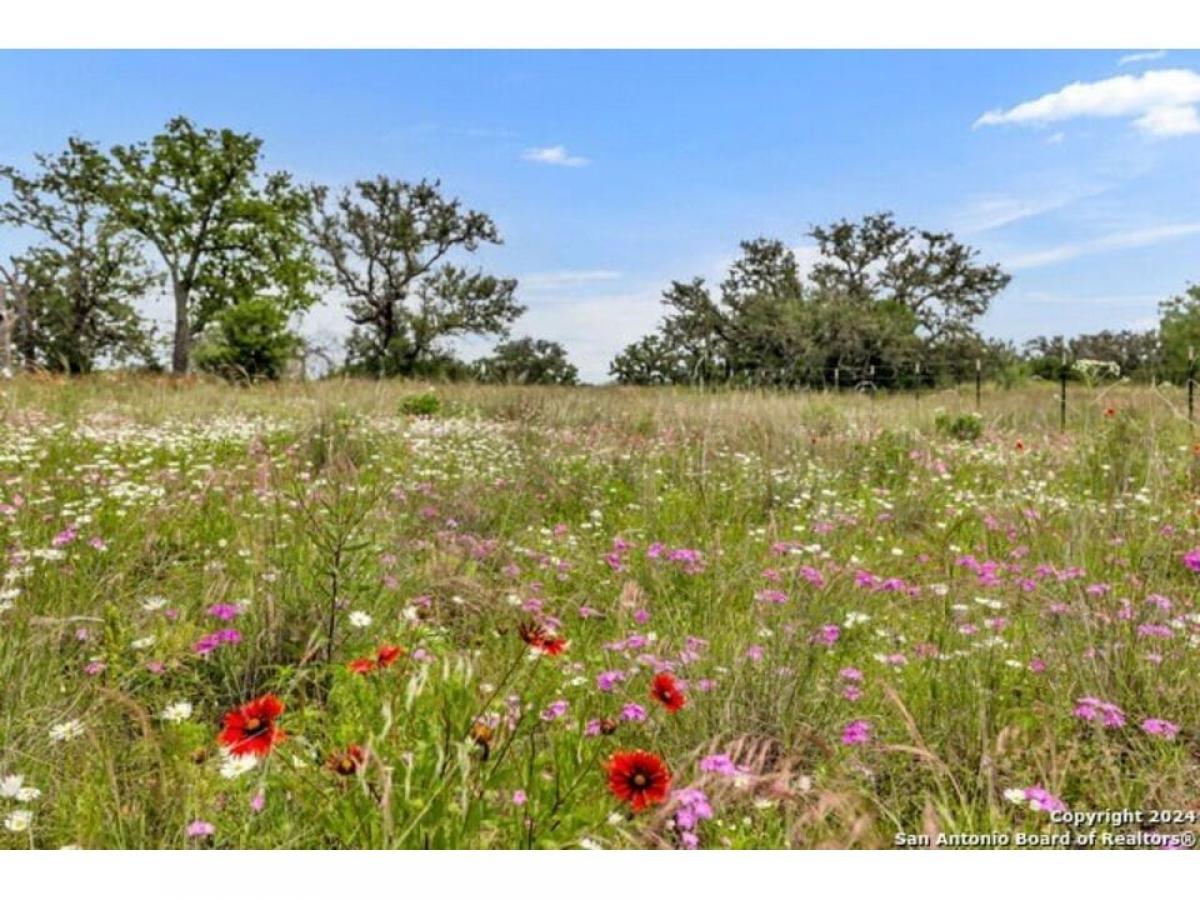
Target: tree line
883 305
241 251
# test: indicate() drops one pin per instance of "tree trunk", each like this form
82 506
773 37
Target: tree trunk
25 337
78 356
387 335
183 331
7 316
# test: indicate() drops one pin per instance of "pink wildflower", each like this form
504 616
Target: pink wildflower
1162 728
199 828
719 763
856 732
1041 800
555 710
633 712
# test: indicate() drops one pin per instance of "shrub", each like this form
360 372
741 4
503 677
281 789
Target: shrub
249 341
527 361
966 427
426 404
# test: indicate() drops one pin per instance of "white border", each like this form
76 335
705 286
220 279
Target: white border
1148 24
564 24
583 875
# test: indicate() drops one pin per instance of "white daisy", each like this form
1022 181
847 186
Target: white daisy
18 820
177 712
66 731
236 766
360 619
10 786
28 794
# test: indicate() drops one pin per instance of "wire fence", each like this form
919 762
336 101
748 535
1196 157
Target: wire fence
920 377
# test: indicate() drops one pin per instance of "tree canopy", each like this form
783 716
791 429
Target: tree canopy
928 273
528 361
244 251
78 280
386 245
224 232
879 296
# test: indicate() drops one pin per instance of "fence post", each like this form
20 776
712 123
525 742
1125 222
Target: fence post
1191 382
978 384
1062 401
837 379
871 379
917 384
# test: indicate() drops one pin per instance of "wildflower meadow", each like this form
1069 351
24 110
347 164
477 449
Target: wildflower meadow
351 614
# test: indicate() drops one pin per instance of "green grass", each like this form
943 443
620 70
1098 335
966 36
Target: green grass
308 503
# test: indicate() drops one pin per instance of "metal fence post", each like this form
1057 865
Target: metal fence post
1062 401
917 384
978 384
1191 382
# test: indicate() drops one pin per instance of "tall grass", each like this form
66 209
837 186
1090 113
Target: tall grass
980 588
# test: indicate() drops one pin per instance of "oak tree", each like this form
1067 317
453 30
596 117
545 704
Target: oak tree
387 245
225 232
83 272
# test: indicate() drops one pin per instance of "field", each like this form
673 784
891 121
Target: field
826 619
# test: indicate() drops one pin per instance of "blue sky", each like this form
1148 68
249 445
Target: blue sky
610 173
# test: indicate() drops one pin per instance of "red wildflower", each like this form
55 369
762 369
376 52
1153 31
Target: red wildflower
388 654
553 644
541 640
251 728
361 666
348 761
638 778
531 633
666 691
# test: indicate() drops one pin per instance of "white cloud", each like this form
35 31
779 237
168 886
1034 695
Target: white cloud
596 329
592 329
1141 57
1169 121
1123 240
554 156
1110 303
565 279
1161 102
988 211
